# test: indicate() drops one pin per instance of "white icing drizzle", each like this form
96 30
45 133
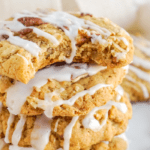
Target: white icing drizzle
68 132
9 122
122 136
124 31
73 24
56 125
25 59
96 38
2 143
126 68
84 68
40 133
15 147
71 101
1 105
33 48
69 23
124 41
143 87
141 62
16 26
106 142
141 74
46 35
15 100
122 54
18 130
90 122
93 69
120 91
95 27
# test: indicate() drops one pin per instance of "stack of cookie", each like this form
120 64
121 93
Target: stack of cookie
59 84
137 81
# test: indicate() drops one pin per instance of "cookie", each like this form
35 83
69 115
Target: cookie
137 81
1 128
74 133
65 90
117 143
30 41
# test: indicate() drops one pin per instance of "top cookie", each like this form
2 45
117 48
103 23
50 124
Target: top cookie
31 41
137 81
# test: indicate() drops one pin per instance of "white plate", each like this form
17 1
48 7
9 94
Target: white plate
138 132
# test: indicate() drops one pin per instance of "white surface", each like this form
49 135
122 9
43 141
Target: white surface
138 133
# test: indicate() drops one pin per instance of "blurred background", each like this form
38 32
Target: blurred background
133 15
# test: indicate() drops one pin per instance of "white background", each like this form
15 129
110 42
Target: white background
138 132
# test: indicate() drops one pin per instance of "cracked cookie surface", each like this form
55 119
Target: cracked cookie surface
32 41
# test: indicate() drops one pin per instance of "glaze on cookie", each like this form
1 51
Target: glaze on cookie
42 133
30 41
65 90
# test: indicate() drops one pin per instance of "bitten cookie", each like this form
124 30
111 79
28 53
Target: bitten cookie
75 133
137 81
30 41
65 90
